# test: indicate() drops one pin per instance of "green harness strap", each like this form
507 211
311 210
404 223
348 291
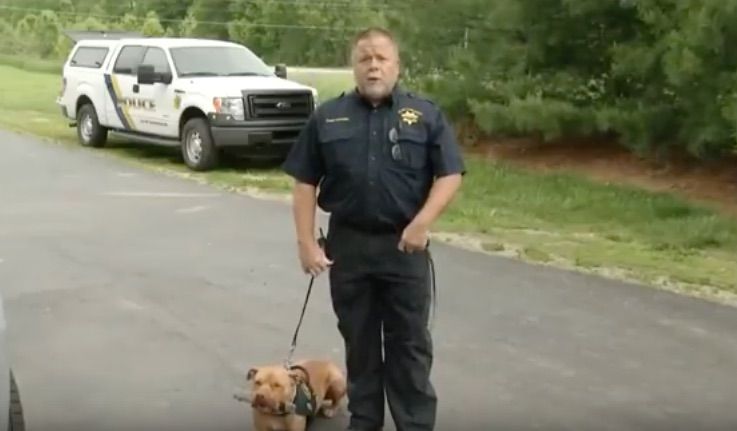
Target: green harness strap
305 403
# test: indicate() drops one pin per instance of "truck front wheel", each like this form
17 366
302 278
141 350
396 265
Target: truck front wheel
198 149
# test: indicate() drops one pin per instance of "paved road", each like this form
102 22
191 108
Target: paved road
137 301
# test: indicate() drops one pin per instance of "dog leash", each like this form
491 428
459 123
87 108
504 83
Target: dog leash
288 362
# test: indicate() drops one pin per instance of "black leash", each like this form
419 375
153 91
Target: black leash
288 362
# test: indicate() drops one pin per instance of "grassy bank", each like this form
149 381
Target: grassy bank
557 219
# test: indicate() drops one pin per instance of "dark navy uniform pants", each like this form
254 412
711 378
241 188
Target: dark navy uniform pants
380 292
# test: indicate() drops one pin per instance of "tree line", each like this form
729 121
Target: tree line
656 74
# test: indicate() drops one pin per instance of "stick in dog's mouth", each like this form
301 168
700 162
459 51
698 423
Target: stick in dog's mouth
242 398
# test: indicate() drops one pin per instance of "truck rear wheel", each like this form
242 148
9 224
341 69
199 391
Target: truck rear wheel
89 131
198 149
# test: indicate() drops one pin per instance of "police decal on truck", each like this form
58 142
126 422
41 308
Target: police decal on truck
114 90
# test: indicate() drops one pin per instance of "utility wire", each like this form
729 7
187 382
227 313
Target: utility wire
460 32
165 20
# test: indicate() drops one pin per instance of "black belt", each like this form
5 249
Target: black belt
379 228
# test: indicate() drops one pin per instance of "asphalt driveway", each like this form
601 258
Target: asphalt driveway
138 301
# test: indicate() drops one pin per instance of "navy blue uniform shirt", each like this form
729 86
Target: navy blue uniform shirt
374 166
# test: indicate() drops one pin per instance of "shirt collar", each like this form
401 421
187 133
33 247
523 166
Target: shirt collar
390 100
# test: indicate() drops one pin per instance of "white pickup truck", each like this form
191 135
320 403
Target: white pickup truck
203 96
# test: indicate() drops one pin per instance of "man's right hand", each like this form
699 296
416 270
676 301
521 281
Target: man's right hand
313 258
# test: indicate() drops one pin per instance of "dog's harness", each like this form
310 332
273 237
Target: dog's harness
305 403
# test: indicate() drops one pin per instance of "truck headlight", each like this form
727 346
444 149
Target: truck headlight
230 105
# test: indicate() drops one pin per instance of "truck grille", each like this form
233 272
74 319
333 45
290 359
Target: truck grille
276 105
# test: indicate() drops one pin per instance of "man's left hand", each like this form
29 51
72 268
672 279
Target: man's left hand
414 238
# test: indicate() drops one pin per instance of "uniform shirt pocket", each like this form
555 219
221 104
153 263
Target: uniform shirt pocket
411 150
340 145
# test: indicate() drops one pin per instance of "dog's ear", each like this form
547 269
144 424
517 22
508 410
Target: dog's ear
251 373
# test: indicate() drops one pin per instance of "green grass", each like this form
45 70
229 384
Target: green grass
31 64
596 226
551 218
328 85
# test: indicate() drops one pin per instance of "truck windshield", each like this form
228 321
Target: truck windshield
218 61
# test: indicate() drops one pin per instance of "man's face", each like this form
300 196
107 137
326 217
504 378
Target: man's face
375 67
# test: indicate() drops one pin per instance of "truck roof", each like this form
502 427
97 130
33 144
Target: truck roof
164 42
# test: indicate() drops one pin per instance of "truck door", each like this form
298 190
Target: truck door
120 83
156 106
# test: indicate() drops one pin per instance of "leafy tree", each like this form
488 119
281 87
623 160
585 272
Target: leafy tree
151 26
657 74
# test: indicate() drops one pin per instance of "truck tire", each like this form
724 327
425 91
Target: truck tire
16 421
89 131
198 149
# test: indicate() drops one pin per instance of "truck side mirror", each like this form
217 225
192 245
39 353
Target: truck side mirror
146 74
281 70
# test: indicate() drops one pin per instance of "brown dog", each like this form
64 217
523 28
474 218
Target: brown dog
286 399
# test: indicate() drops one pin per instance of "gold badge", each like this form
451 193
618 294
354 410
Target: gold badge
177 101
409 115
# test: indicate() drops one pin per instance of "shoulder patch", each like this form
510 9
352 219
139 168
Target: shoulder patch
421 97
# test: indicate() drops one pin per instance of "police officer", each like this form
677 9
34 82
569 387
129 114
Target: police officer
386 164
